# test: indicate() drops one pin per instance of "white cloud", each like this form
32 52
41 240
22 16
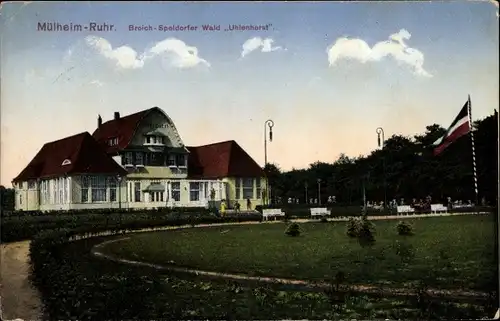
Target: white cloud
395 47
97 83
255 43
179 53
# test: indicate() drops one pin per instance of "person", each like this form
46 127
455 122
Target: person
222 207
249 204
236 207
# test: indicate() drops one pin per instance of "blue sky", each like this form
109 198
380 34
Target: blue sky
323 103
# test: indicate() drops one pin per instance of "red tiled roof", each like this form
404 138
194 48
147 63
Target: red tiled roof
82 150
122 128
224 159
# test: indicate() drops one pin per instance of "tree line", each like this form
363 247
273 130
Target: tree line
404 168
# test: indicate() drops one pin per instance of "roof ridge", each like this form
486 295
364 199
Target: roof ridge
68 137
216 143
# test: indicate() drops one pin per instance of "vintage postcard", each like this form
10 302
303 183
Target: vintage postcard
249 160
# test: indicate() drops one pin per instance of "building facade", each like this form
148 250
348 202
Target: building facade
137 161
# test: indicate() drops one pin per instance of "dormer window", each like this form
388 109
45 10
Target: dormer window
66 162
113 141
154 140
171 161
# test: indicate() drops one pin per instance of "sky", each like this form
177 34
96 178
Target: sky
327 74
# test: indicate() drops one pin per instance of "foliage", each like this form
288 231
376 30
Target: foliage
324 220
404 228
77 286
353 227
293 230
406 165
366 232
25 227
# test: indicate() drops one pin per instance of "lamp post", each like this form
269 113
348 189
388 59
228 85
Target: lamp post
119 180
268 123
319 191
381 144
307 199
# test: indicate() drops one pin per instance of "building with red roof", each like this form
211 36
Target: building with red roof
136 161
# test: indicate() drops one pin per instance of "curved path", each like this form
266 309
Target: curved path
19 299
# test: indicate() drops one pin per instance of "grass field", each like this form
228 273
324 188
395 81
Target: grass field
447 252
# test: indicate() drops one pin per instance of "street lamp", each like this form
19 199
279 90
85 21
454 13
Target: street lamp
319 191
381 144
307 199
268 123
119 180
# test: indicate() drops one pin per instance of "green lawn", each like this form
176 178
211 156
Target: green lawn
447 252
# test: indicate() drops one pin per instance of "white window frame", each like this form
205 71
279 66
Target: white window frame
113 184
237 189
128 158
85 189
98 189
194 187
137 192
171 162
181 161
258 188
247 190
175 190
31 184
139 158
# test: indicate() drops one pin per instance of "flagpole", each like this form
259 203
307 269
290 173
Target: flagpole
473 151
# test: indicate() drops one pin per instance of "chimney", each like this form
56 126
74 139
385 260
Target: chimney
99 121
117 115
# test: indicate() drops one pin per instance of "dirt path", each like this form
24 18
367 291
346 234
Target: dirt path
19 299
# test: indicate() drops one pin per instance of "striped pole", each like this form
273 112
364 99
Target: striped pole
473 152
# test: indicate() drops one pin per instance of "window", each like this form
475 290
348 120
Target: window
21 185
113 141
129 192
65 190
85 189
98 187
127 159
139 160
258 188
31 185
148 140
157 196
237 187
112 189
20 198
137 191
181 160
194 191
61 190
248 188
171 160
176 191
156 159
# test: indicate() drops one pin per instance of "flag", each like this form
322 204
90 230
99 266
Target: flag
460 127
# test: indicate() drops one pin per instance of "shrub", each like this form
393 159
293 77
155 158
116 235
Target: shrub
293 230
352 227
404 228
366 233
323 219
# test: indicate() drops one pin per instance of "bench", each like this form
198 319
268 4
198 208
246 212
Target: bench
436 208
272 212
405 210
320 211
